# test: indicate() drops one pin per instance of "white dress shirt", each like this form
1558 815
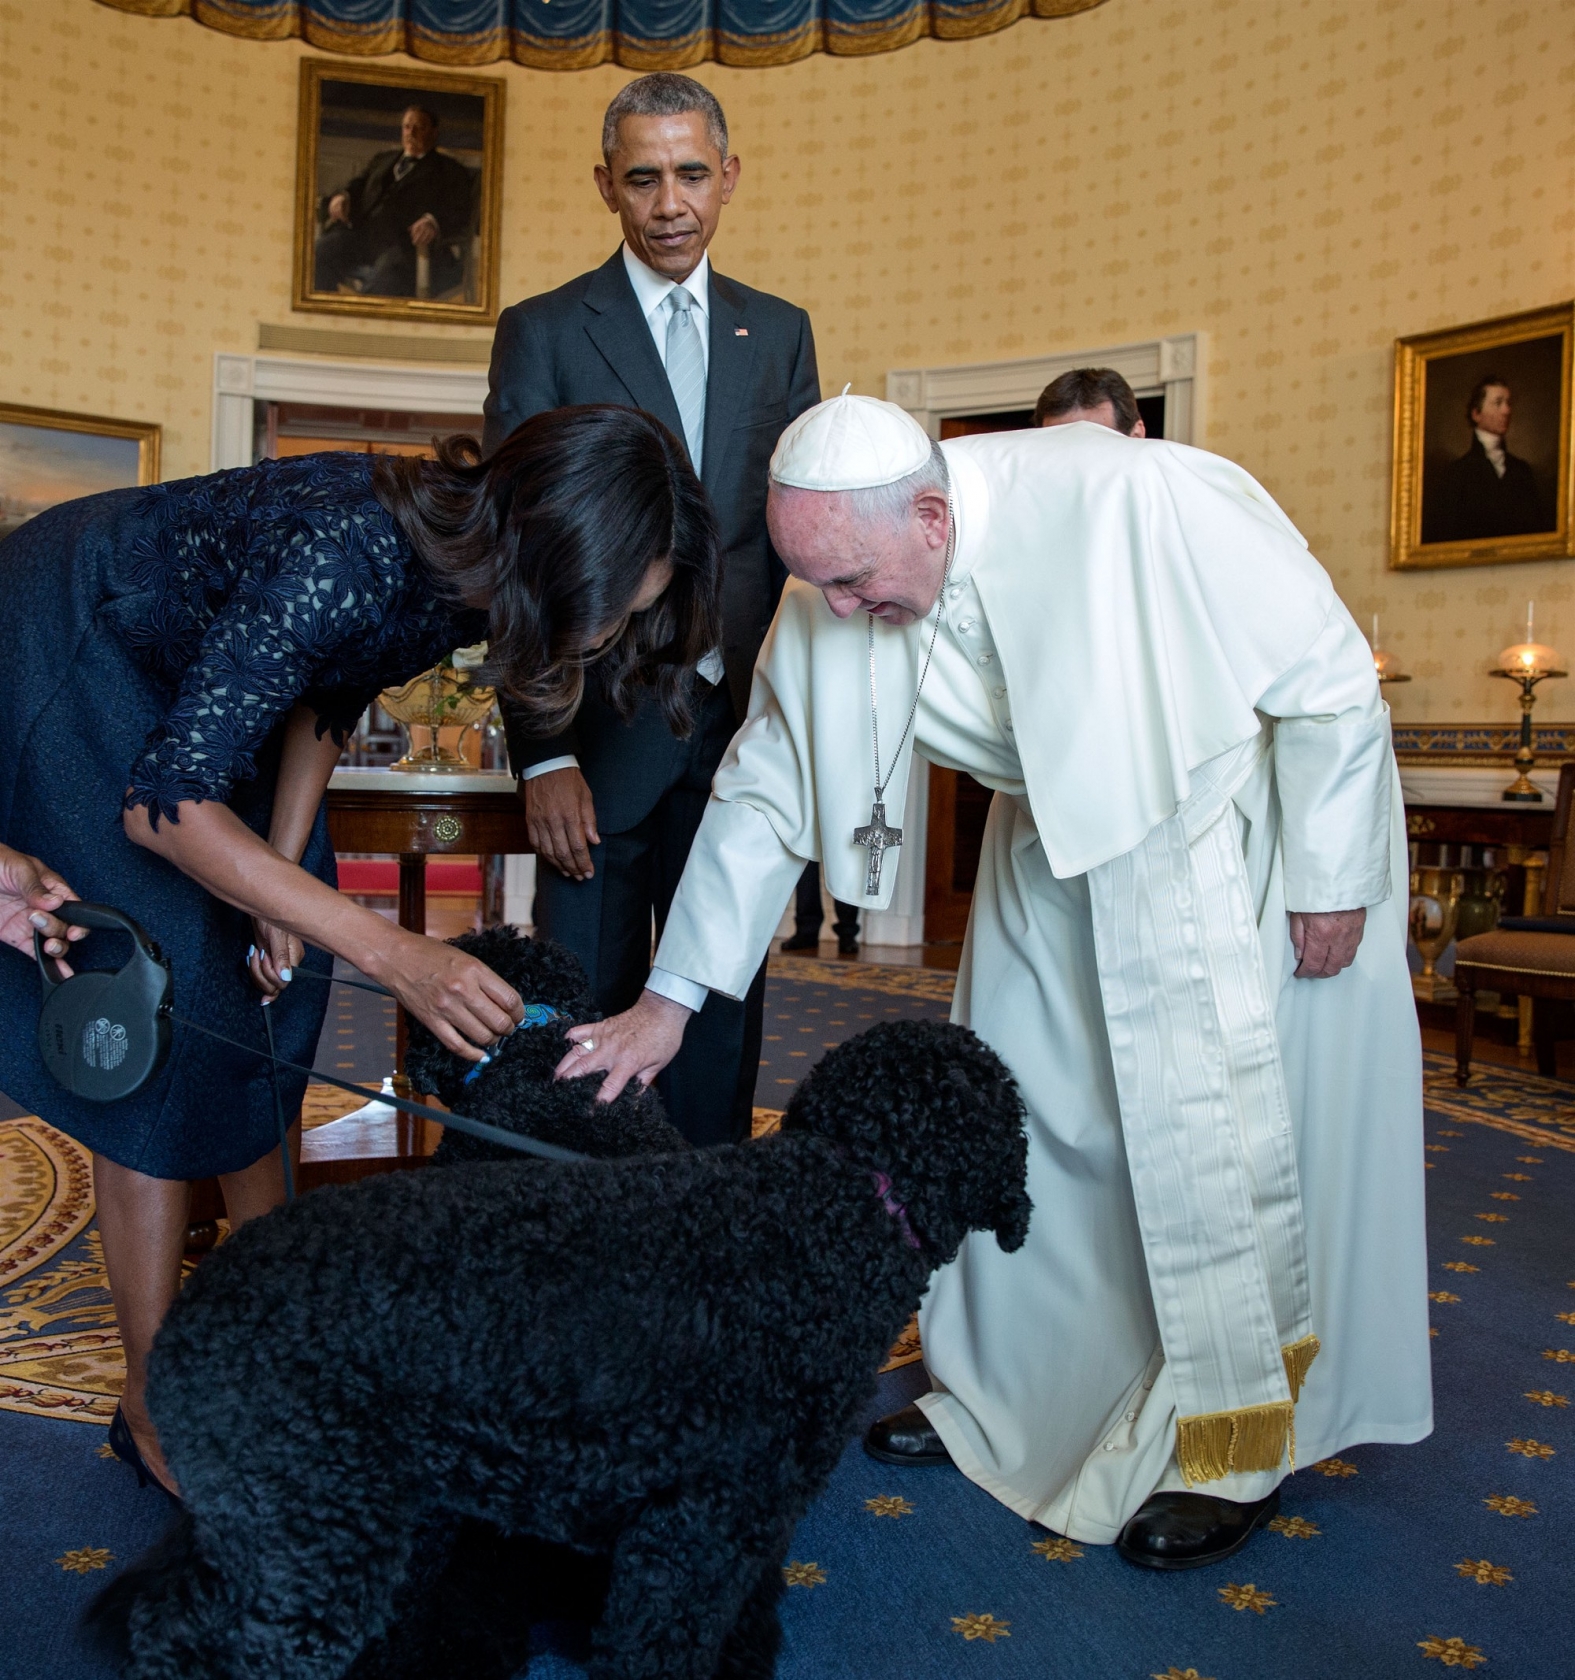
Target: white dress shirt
1493 447
651 290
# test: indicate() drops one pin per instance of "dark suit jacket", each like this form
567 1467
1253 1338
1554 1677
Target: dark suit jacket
382 209
588 342
1471 502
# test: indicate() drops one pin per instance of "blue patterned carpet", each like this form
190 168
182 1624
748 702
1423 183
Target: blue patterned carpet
1393 1562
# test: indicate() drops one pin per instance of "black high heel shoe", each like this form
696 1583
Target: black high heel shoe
124 1446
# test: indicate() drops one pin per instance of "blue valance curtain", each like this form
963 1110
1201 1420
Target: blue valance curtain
640 34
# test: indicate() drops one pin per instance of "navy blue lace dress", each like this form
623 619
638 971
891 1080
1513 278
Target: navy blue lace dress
155 640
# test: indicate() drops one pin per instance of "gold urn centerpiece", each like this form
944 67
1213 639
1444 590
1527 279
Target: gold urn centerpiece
443 698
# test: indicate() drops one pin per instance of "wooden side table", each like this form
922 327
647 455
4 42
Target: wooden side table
417 817
1451 807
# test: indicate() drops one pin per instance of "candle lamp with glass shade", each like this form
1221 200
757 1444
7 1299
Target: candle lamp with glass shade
1528 663
1387 665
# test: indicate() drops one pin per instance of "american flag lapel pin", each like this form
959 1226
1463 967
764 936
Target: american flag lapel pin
740 332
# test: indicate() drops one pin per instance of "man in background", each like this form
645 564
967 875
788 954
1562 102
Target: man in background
1097 394
415 200
1487 492
612 805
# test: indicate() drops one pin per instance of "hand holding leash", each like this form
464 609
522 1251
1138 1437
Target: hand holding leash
29 891
466 1006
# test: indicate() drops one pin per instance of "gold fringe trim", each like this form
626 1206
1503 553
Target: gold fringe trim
1298 1357
1214 1444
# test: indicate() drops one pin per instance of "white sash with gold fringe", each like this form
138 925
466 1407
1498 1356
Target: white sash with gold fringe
1207 1127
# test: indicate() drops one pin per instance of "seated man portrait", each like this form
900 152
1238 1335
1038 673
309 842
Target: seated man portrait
416 199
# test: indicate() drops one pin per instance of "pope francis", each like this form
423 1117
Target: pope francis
1187 941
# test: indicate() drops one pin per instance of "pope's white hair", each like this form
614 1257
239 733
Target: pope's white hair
886 504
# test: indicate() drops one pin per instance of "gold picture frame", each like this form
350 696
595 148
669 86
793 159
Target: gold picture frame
1452 502
361 257
49 456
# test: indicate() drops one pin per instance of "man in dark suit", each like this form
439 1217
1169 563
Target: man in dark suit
1487 492
612 806
405 202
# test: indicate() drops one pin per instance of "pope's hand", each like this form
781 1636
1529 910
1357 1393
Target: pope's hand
635 1045
1325 941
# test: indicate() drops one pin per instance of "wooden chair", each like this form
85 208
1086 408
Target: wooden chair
1533 956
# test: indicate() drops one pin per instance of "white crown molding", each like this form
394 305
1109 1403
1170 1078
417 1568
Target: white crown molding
1171 365
241 381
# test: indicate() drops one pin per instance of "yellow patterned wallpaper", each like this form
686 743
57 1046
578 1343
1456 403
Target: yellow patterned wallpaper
1303 180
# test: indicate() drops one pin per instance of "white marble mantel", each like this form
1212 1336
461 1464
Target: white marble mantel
1472 784
351 778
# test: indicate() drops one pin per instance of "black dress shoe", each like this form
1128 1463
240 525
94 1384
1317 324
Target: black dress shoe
1189 1530
802 942
847 946
906 1437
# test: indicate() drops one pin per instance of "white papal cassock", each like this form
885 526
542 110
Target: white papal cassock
1184 733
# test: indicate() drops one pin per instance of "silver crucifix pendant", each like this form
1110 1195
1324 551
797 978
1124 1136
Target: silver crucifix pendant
878 836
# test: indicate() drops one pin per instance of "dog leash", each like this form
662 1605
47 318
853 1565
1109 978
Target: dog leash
519 1141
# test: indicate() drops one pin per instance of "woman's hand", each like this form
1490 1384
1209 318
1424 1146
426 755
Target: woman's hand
272 958
29 890
461 1000
635 1045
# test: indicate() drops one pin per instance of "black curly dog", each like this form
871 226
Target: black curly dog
656 1361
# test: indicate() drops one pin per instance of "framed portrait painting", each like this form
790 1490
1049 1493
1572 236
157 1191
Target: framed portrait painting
48 457
1482 442
398 186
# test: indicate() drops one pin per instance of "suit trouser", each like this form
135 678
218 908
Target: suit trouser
809 914
607 923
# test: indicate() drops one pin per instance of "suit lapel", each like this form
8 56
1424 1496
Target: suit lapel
732 354
616 327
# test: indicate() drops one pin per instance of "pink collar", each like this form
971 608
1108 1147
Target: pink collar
883 1189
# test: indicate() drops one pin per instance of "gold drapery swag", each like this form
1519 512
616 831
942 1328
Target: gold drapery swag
831 28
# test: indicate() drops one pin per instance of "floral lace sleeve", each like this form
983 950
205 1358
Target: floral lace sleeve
329 584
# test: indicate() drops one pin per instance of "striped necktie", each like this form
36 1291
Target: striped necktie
686 369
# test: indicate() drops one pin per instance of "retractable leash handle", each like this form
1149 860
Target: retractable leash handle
104 1033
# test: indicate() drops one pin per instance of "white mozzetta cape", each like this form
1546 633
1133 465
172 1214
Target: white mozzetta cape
1143 596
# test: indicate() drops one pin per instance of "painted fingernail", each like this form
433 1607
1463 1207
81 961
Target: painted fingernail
285 974
485 1058
251 951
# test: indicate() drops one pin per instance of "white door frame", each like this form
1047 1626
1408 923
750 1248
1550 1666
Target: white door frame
240 382
1172 365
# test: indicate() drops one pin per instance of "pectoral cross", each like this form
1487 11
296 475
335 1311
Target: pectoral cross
877 836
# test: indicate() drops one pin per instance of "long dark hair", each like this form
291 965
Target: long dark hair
554 535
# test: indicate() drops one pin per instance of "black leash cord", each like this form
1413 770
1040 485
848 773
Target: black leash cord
339 980
278 1106
461 1122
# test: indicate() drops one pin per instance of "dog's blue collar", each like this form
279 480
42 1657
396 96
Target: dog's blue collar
535 1015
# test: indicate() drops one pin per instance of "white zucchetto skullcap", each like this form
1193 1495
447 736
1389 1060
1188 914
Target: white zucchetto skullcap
849 443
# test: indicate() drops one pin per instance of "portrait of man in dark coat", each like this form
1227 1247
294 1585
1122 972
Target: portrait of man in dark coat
1486 492
404 204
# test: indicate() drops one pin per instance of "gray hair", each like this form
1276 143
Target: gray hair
664 95
885 504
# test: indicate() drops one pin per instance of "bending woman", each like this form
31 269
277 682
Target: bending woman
187 660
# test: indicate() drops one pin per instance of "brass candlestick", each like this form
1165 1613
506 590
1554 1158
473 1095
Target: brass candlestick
1528 663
